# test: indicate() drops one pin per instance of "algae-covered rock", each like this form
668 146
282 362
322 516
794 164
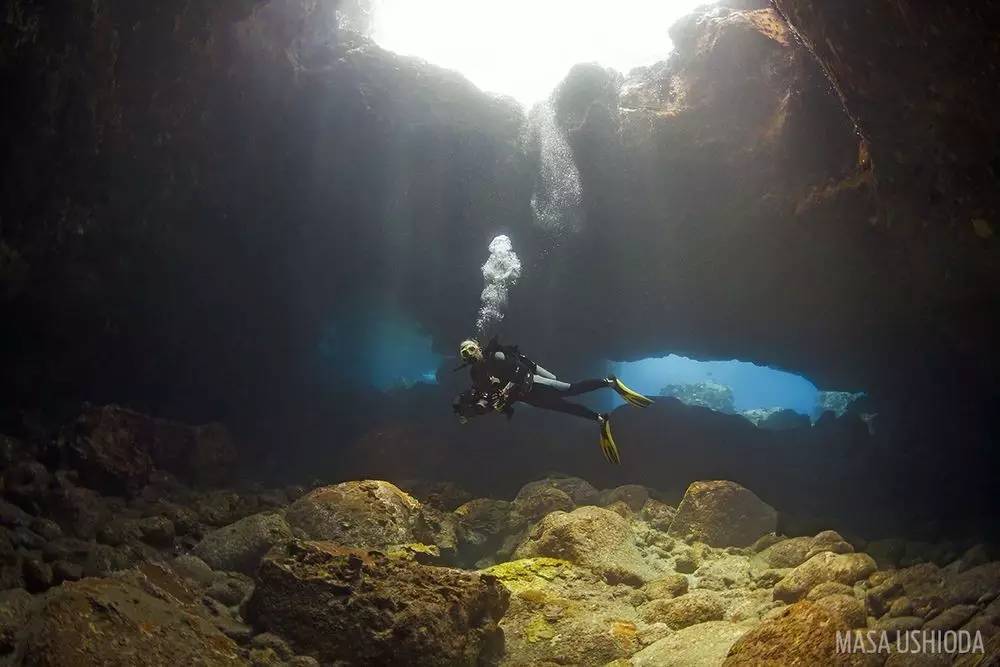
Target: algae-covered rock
669 586
561 613
829 588
532 573
362 607
843 568
700 645
365 513
802 634
593 537
848 607
722 514
697 606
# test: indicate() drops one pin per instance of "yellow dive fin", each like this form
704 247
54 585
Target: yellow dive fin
608 445
631 397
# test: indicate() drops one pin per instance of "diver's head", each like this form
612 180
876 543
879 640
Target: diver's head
470 351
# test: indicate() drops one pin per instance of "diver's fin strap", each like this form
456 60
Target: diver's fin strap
631 397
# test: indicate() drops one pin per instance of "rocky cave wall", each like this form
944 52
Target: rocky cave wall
191 190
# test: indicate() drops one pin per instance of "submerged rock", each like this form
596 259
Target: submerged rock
366 608
535 500
666 587
125 620
698 606
580 491
595 538
108 446
367 513
802 634
239 547
821 568
722 514
700 645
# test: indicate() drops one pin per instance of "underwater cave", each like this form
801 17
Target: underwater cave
386 332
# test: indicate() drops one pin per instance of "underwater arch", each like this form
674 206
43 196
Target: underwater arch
732 386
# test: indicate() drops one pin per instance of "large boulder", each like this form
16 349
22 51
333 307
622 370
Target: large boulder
701 645
128 619
593 537
239 546
115 449
722 514
821 568
352 606
802 634
109 447
368 513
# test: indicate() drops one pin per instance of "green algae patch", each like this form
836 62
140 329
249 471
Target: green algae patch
425 554
538 629
531 573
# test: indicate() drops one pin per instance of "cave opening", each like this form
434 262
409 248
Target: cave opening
474 38
734 387
379 348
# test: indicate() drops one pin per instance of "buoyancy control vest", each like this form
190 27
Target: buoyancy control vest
496 370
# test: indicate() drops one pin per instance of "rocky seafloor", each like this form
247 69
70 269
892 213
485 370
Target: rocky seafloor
118 546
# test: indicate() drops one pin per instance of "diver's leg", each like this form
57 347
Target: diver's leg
548 375
548 398
567 389
586 386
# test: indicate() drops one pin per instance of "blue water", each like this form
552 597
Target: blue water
753 386
378 347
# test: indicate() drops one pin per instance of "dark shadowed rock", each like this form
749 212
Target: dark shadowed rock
534 501
366 608
115 449
633 495
37 575
239 547
124 620
15 607
108 446
444 496
722 514
658 514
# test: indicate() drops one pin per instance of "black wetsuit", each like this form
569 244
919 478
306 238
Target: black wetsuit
532 384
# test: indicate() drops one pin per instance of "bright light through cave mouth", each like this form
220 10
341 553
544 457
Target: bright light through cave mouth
524 48
733 387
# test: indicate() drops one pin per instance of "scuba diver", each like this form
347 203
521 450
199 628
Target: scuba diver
501 376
